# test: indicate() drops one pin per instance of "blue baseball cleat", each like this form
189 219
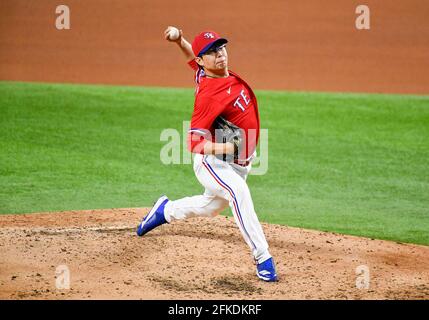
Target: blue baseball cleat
267 271
154 218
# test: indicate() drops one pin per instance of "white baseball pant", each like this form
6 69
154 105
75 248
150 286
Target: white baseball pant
225 184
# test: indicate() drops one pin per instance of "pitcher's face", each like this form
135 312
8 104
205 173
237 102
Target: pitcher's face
214 60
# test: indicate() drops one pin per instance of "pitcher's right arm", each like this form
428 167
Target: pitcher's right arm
183 44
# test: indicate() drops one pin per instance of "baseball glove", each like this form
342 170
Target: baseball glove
226 131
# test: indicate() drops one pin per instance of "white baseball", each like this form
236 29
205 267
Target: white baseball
173 34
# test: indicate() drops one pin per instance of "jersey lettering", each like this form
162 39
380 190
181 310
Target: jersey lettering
245 98
237 102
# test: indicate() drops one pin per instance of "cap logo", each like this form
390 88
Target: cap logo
208 35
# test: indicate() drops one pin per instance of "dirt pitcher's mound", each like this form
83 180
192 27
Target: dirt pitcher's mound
195 259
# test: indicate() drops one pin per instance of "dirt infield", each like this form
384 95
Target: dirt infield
287 45
198 258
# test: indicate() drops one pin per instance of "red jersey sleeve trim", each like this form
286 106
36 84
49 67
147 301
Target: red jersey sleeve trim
199 72
193 64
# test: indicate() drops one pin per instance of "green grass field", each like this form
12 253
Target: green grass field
348 163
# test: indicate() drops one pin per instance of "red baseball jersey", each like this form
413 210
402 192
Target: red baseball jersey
233 99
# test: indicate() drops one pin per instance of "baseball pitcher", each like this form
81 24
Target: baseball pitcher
223 136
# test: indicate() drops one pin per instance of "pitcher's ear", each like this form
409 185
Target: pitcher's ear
199 61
